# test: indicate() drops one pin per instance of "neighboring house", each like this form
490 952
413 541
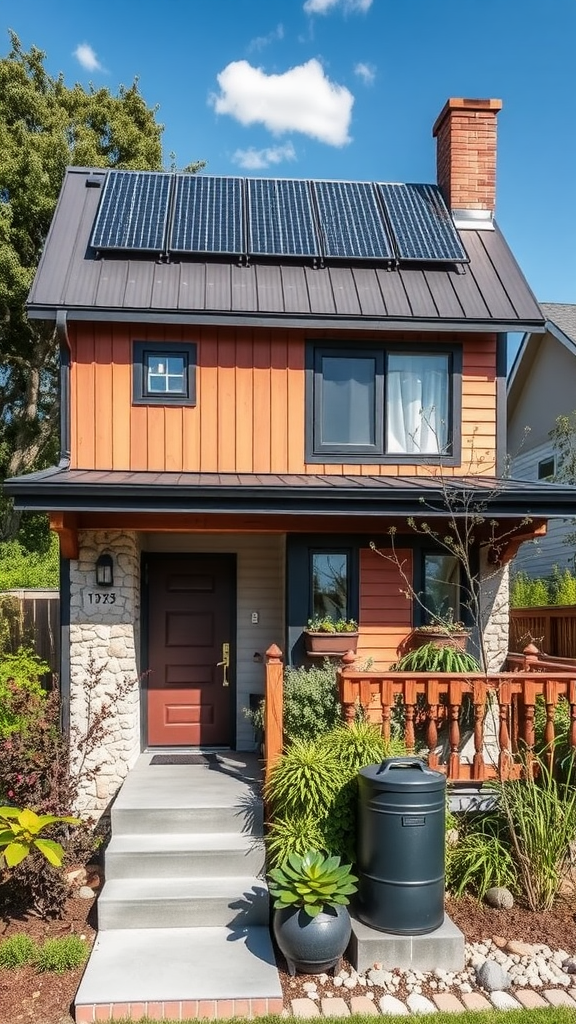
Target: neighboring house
259 378
541 387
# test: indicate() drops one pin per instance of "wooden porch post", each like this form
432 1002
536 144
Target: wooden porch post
273 702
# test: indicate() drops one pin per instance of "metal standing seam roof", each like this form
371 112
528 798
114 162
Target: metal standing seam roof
80 490
488 293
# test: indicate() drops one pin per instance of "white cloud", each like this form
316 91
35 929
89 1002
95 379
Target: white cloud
86 56
348 6
367 72
261 41
302 99
257 159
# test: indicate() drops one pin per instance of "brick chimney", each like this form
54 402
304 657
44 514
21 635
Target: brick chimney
465 132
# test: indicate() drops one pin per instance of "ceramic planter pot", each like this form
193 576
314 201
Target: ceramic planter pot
312 945
330 643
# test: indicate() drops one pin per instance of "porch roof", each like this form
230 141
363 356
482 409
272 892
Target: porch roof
60 489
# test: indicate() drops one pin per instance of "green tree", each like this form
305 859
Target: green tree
46 125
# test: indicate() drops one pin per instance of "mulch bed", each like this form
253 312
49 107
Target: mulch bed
30 998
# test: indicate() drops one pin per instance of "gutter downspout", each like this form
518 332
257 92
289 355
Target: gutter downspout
65 351
64 463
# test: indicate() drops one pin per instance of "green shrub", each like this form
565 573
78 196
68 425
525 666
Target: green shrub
61 955
17 951
526 592
479 856
22 697
20 568
311 705
432 657
312 791
562 586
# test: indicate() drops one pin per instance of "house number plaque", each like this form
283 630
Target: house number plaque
96 597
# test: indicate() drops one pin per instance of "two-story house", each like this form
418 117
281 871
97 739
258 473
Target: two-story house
259 378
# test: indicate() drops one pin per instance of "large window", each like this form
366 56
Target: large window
389 404
164 374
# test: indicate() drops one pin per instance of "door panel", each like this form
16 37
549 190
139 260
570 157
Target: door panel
190 605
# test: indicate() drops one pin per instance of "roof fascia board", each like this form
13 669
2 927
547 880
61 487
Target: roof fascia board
525 355
87 314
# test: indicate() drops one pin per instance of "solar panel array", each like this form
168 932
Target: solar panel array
421 225
351 222
280 218
133 212
207 215
275 217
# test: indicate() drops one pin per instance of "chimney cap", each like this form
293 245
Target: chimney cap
458 103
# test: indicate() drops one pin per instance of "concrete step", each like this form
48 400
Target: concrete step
180 799
179 965
201 855
183 903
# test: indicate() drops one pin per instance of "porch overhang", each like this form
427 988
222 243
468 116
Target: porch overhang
80 491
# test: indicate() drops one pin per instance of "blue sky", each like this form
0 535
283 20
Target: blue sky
344 89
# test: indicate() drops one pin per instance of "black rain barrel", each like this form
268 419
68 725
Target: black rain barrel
400 854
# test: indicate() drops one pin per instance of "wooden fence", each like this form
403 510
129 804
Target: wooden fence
499 711
552 629
32 618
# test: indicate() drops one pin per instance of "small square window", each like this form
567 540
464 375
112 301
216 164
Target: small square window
164 374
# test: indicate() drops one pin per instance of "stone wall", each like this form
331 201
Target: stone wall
104 666
495 611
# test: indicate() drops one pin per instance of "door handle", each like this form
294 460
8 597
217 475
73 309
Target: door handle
225 663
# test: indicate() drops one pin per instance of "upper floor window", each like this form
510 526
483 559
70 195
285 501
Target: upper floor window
164 374
381 404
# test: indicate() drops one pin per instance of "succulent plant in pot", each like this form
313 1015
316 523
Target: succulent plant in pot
311 922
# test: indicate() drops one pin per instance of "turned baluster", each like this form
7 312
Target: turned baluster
572 703
386 697
550 697
479 701
347 690
529 732
505 755
454 705
432 701
410 710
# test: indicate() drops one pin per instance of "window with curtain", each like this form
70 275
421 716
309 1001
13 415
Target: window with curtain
380 403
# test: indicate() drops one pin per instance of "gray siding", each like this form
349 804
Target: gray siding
538 557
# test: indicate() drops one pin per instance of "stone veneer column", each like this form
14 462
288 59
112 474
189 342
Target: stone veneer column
104 665
495 611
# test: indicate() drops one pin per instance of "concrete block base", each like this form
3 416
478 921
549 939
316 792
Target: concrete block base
442 948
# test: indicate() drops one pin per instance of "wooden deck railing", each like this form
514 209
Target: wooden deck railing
431 708
552 628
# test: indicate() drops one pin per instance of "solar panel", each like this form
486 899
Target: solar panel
208 215
133 211
280 218
421 225
350 220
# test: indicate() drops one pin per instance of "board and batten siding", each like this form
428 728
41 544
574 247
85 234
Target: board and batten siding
385 613
538 557
260 587
249 416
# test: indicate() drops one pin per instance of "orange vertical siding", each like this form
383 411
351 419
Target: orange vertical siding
385 613
250 411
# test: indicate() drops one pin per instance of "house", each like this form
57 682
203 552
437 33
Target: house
259 378
541 387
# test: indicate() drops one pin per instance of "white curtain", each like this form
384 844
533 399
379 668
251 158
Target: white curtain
417 404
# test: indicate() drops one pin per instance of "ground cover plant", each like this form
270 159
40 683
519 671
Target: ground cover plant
54 954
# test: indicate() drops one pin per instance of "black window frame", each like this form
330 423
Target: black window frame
336 549
318 452
141 350
542 463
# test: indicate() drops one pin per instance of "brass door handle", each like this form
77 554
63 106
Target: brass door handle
225 663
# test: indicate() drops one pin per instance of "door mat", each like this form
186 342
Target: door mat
184 759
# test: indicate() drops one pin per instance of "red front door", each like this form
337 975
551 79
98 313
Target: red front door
190 603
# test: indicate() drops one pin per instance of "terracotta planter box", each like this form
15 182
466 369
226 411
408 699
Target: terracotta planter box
440 637
330 643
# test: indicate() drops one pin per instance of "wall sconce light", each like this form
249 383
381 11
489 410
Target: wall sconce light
104 571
